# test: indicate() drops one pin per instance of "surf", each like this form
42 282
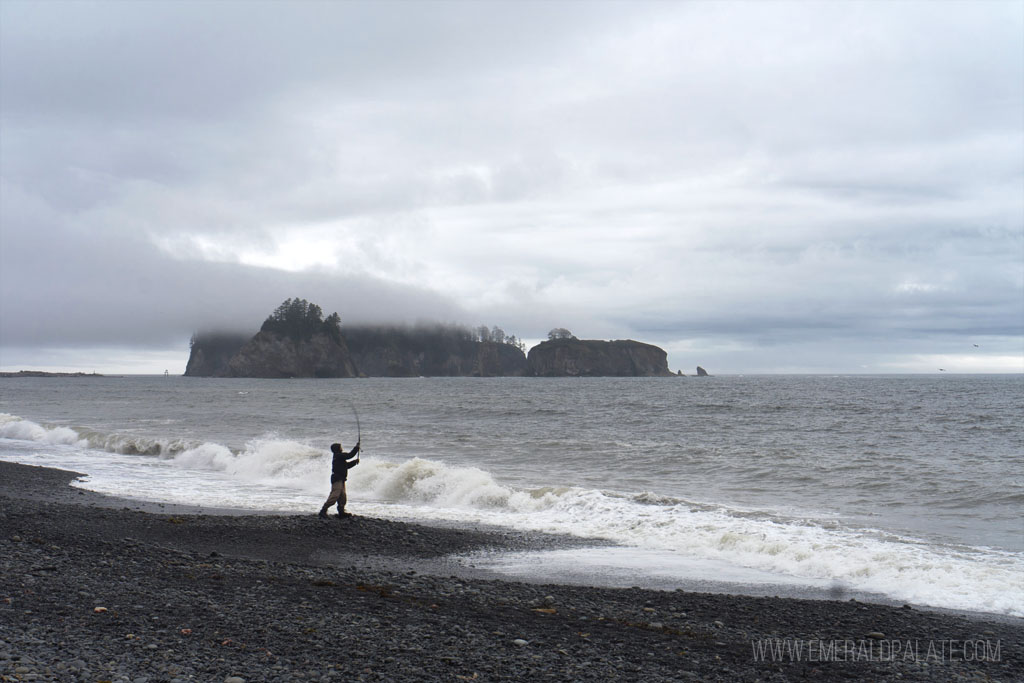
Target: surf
667 537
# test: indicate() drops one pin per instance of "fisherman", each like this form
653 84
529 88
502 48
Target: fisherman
340 465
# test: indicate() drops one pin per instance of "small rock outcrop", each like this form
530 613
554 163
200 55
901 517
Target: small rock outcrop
701 372
596 358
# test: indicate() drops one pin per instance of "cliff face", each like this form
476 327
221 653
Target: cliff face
400 352
424 352
498 360
595 358
356 352
211 354
277 356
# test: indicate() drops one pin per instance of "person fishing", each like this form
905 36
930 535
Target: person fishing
340 465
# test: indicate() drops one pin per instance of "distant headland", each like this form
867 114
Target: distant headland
40 373
296 340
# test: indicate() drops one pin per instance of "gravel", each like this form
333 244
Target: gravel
98 589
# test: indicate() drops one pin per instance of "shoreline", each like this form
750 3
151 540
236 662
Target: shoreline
93 587
529 542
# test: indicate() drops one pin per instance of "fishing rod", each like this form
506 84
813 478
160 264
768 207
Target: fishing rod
359 431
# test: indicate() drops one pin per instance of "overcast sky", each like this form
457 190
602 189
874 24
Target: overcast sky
755 187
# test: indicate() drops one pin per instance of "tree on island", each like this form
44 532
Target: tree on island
512 340
560 333
497 335
300 320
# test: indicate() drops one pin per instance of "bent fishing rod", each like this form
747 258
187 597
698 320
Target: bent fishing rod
359 431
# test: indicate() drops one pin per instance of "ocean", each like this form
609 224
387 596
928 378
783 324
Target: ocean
896 488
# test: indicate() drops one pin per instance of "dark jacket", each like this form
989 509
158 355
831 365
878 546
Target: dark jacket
340 465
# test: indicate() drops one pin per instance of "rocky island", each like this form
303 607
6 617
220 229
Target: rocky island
571 357
297 341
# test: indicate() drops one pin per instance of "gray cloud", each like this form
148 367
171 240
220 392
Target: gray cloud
81 293
724 178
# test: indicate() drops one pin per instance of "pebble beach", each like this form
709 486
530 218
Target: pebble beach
94 588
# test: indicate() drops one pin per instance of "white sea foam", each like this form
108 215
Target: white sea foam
760 548
668 537
13 427
269 461
426 482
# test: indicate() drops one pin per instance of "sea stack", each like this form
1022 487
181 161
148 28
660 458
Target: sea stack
572 357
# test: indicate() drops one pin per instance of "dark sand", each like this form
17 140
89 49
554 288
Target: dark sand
94 588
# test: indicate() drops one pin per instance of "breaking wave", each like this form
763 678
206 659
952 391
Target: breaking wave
271 473
814 552
12 427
